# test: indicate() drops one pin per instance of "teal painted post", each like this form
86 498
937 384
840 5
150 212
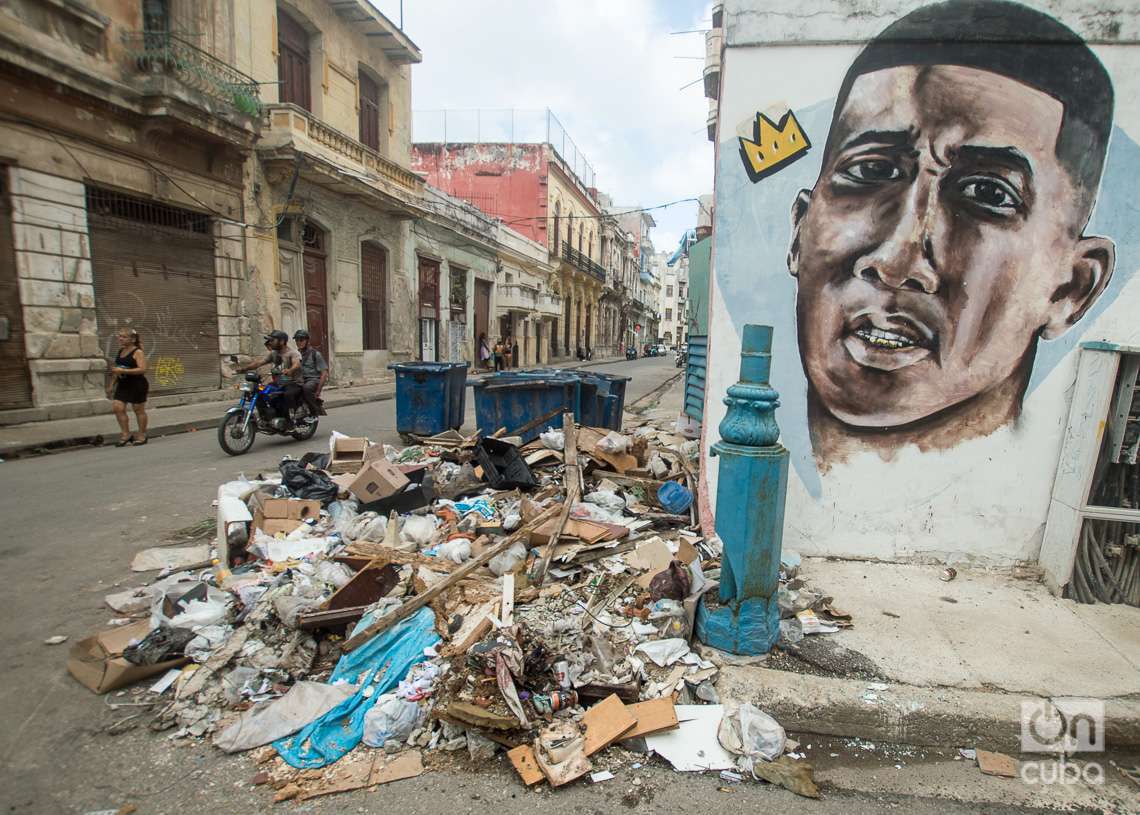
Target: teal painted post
751 488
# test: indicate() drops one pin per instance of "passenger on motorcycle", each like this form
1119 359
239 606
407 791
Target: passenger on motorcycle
286 370
314 374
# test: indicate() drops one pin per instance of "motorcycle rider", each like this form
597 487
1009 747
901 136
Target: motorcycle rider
286 368
314 374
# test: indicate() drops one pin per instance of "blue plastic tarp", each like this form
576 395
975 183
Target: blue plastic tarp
379 664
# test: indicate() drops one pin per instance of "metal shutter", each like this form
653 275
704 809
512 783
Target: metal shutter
159 279
15 386
695 377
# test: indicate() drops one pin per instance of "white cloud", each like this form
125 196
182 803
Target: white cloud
606 69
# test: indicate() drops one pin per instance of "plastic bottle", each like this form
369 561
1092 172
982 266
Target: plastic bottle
221 573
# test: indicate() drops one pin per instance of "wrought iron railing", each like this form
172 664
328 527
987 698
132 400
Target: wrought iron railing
583 262
160 52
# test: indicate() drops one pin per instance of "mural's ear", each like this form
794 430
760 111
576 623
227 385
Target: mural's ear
1094 259
799 212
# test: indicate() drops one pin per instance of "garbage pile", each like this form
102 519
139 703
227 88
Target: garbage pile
371 608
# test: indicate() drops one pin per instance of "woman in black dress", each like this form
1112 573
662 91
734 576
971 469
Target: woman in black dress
129 386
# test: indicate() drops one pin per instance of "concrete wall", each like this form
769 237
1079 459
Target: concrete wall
927 312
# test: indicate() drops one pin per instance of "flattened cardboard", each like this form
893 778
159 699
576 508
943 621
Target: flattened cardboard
98 664
653 716
378 479
605 723
522 758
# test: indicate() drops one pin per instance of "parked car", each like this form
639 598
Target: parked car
650 350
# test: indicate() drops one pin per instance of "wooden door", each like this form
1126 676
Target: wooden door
316 302
374 296
15 385
292 61
482 314
369 111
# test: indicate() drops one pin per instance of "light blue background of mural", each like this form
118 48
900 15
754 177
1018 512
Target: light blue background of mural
753 226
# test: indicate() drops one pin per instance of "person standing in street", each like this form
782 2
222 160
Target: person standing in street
314 373
498 351
129 386
514 345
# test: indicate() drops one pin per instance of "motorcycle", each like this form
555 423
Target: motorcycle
631 352
256 413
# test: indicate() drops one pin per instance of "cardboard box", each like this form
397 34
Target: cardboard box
348 454
378 479
97 661
281 515
295 509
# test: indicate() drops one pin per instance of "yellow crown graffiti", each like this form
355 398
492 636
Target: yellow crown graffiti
773 146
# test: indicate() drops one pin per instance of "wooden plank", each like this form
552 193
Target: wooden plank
605 723
533 423
573 481
410 607
652 717
522 758
508 598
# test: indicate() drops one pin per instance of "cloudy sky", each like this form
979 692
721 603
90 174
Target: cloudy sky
606 68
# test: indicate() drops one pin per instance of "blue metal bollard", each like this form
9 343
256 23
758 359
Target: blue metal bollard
749 508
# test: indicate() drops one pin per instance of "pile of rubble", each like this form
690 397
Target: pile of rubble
372 609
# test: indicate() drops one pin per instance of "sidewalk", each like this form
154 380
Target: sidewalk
944 664
36 438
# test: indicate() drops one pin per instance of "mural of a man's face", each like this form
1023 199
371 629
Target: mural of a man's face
942 238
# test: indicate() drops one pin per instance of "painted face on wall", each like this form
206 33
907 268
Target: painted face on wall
941 239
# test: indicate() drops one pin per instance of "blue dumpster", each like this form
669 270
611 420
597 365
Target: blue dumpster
430 396
518 400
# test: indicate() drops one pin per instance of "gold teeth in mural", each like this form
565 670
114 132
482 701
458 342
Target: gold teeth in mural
773 146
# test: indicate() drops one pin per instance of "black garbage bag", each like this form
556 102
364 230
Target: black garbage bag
309 484
159 645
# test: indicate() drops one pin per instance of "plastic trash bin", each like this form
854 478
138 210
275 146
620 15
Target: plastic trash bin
517 400
430 396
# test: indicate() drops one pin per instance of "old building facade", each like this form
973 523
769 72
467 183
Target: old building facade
122 176
544 190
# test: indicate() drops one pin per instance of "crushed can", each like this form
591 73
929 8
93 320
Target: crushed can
555 701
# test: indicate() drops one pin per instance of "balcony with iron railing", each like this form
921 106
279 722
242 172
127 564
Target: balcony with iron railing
582 262
211 83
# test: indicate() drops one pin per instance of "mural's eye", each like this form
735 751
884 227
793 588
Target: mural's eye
991 193
872 170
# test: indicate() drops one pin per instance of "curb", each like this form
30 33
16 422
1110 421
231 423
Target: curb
903 714
656 392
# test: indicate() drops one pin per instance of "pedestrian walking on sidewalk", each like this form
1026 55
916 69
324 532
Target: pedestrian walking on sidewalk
484 352
129 386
